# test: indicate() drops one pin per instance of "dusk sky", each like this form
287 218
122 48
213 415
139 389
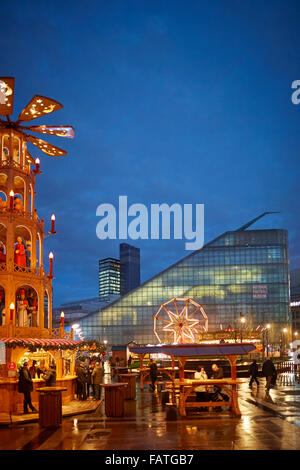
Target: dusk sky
172 102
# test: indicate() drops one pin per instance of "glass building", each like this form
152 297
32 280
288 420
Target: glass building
243 272
129 268
109 277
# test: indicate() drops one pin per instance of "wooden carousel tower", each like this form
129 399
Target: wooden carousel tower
25 282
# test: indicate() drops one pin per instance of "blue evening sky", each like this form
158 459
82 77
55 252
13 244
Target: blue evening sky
172 101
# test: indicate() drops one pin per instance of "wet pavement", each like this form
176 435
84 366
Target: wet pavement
267 423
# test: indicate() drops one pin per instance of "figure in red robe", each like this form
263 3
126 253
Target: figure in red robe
20 256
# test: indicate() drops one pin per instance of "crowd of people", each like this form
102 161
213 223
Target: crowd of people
90 376
89 379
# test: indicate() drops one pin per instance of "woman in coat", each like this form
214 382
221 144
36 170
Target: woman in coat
97 378
25 386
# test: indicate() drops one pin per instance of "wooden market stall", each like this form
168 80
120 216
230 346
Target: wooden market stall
185 386
45 351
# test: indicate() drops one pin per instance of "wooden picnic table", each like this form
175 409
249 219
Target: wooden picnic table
114 398
169 371
186 387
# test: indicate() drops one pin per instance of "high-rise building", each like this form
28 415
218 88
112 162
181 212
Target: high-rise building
295 301
240 272
109 277
129 268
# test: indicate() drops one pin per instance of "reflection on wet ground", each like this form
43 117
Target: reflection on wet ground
269 421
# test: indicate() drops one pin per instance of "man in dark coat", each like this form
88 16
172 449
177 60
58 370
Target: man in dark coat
81 381
253 371
25 386
153 373
50 376
269 371
217 395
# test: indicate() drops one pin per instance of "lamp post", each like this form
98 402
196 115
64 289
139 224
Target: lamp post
284 331
242 320
268 326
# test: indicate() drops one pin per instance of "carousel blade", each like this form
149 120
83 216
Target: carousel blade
7 86
29 158
60 131
38 106
49 149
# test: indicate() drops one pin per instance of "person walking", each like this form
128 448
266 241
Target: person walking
269 371
153 373
50 376
97 378
253 372
201 391
81 381
25 386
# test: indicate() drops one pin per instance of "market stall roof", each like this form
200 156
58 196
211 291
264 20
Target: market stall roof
189 350
41 342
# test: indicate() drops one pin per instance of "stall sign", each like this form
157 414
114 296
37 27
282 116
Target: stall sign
11 366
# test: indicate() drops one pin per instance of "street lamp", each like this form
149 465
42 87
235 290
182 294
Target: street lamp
243 320
284 330
268 326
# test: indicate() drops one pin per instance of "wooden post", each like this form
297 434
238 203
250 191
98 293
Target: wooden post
235 405
232 362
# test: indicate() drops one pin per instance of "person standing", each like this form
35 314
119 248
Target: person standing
97 379
50 376
201 391
89 383
25 386
153 373
253 372
269 371
81 381
32 368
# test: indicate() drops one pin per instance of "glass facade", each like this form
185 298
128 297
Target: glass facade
109 277
129 268
240 272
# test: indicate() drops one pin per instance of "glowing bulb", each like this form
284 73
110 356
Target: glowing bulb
51 255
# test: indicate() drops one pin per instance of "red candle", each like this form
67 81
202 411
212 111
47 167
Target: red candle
62 319
11 310
37 165
51 264
52 223
11 200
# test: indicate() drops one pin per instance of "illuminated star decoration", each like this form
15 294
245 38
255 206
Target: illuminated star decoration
182 319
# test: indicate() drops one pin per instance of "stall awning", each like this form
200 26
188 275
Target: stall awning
190 350
41 342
